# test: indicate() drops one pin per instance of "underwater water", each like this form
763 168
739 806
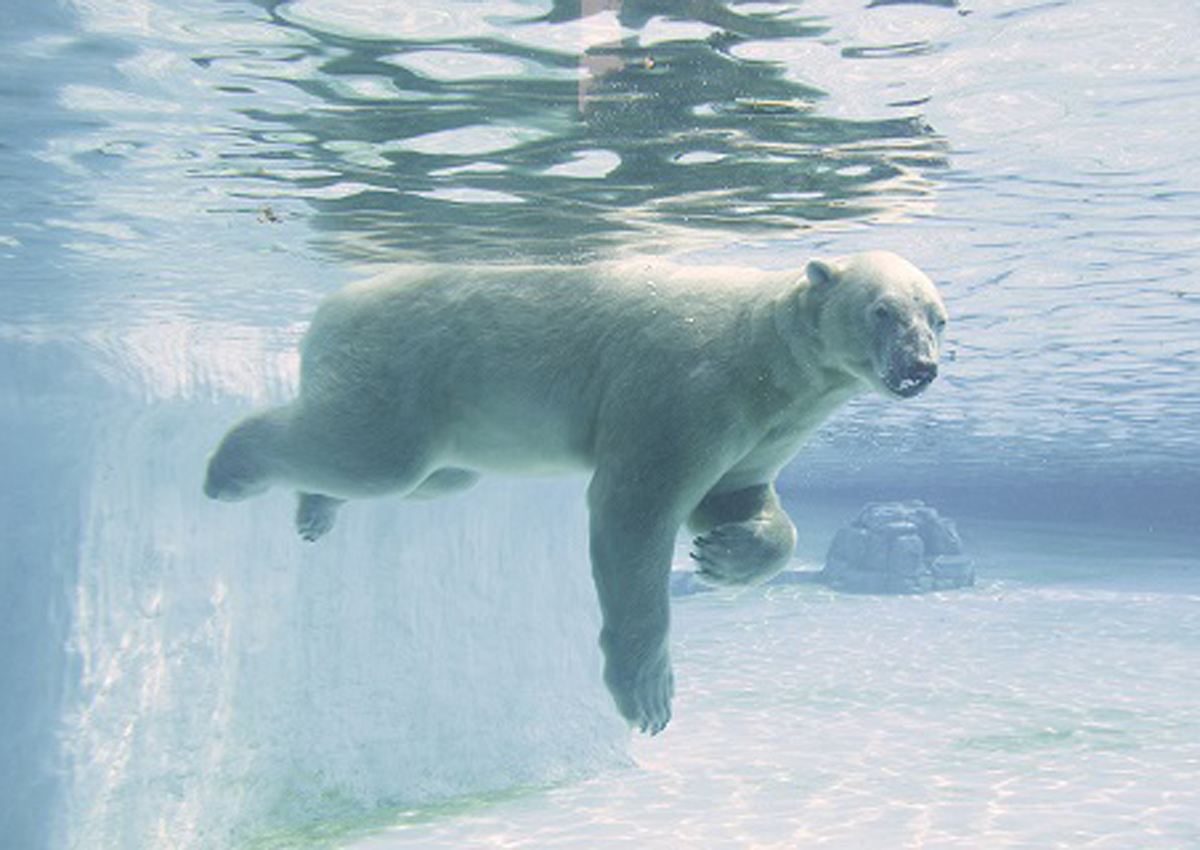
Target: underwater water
182 184
1051 706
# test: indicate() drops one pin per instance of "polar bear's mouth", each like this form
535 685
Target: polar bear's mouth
909 387
911 381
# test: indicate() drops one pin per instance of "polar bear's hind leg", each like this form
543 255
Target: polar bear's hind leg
244 463
315 515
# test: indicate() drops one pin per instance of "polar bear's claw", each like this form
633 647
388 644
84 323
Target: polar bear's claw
737 554
646 700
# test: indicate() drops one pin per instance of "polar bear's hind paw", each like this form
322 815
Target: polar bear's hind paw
315 515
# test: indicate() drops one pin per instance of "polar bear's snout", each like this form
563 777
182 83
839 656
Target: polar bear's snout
909 361
912 380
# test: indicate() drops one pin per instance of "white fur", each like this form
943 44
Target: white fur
685 390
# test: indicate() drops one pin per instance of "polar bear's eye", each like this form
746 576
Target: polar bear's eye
881 313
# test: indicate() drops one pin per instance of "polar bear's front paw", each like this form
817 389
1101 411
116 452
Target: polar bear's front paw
741 553
644 696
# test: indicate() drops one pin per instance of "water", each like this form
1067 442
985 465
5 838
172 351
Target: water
183 182
1051 706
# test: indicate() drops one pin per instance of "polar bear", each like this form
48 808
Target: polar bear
684 390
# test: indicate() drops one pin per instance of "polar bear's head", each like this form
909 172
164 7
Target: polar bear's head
880 318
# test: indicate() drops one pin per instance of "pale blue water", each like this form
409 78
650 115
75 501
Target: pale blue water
180 184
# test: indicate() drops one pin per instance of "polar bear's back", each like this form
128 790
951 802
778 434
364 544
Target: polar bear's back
515 367
455 317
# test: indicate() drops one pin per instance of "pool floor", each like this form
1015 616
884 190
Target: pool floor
1054 705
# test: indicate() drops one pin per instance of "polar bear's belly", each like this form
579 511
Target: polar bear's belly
524 441
510 454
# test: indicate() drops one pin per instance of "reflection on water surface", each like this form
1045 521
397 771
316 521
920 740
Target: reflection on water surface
561 131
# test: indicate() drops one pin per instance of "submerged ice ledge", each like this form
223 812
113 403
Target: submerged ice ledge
229 680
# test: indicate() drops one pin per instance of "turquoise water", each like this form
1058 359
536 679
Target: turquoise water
1051 706
183 182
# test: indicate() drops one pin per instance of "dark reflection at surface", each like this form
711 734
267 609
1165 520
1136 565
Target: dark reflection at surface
560 133
944 4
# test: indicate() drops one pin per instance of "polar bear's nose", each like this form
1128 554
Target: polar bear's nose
915 378
924 372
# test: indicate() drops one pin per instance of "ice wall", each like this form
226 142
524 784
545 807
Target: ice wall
43 454
191 674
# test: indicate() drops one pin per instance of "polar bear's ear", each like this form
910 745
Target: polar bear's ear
821 273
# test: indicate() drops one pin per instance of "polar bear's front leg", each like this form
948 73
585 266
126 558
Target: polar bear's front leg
745 536
632 540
